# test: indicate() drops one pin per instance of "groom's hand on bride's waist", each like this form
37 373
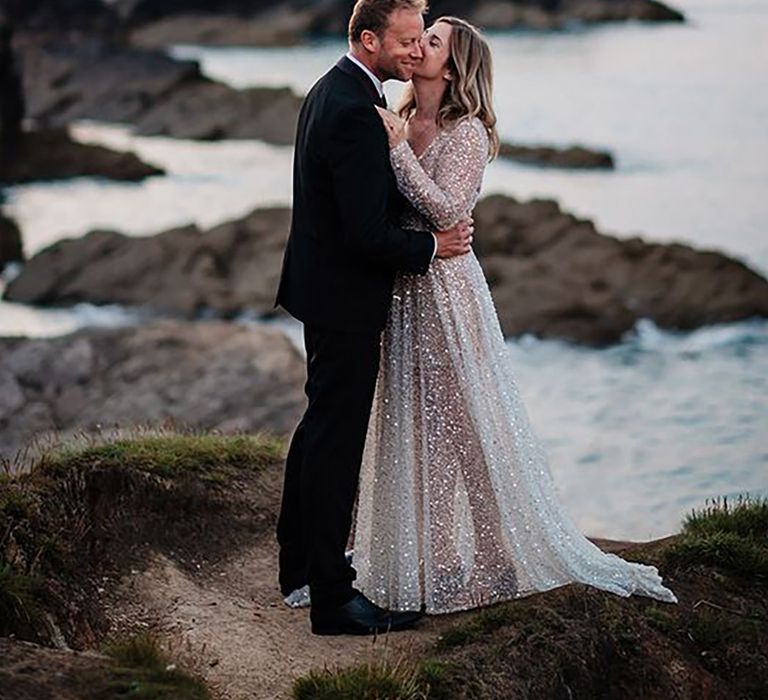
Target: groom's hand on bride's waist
455 241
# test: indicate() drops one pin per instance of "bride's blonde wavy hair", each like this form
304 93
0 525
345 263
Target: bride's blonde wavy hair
470 92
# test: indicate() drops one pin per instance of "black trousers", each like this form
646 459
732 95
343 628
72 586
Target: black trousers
323 465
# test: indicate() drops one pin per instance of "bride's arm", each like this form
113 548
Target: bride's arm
447 198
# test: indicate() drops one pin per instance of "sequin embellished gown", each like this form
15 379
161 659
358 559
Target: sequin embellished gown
457 507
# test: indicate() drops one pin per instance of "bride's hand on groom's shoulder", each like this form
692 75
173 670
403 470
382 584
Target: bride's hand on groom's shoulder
393 125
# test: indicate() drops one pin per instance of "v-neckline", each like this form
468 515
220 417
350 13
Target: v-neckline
428 146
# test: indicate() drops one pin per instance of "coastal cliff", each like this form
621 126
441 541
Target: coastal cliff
163 539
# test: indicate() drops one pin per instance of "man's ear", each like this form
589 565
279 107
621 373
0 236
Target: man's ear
370 41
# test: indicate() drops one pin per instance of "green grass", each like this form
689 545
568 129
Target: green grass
371 681
48 515
211 457
661 619
732 538
747 518
143 670
528 621
713 629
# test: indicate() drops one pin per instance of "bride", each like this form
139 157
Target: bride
457 507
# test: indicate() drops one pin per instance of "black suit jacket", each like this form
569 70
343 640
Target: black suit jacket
344 248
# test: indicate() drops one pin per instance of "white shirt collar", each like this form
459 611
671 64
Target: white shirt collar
376 82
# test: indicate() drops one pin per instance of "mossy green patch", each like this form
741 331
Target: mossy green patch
210 457
527 620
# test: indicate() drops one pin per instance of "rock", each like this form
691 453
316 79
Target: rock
149 89
548 156
551 274
11 94
32 671
600 11
554 275
230 268
212 111
254 22
52 154
60 16
11 395
276 29
559 14
10 240
211 375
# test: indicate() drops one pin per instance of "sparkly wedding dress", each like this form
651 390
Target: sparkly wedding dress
457 507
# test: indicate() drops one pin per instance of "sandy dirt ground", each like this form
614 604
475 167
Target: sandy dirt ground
233 627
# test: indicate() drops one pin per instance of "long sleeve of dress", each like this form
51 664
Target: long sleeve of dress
445 199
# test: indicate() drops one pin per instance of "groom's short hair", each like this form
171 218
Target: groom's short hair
373 15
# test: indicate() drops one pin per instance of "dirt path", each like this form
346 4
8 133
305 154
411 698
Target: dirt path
229 621
233 626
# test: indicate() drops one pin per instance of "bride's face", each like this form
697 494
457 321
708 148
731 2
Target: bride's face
436 45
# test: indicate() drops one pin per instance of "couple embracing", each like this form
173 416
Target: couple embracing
413 407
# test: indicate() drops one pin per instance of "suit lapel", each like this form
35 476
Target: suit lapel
345 65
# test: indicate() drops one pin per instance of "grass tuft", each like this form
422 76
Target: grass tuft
747 518
398 680
486 620
733 538
143 670
211 457
19 593
716 629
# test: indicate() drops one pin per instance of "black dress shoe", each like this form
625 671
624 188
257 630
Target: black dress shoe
360 616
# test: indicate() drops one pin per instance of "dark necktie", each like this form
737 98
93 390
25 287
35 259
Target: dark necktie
382 101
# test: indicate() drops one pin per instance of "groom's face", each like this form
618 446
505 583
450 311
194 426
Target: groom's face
399 46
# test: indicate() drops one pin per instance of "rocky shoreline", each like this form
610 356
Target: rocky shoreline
156 94
551 274
571 157
11 247
209 375
165 539
53 155
287 22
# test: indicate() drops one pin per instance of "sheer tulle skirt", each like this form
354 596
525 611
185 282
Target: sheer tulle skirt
457 507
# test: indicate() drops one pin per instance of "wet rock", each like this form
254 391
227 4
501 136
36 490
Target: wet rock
233 267
575 157
158 94
263 22
211 375
551 274
52 154
10 240
555 275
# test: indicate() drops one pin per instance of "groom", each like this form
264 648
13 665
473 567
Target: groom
338 273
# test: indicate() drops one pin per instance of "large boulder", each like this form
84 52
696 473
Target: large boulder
228 269
272 21
555 275
11 93
551 274
210 375
52 154
572 157
10 240
60 15
149 89
281 27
